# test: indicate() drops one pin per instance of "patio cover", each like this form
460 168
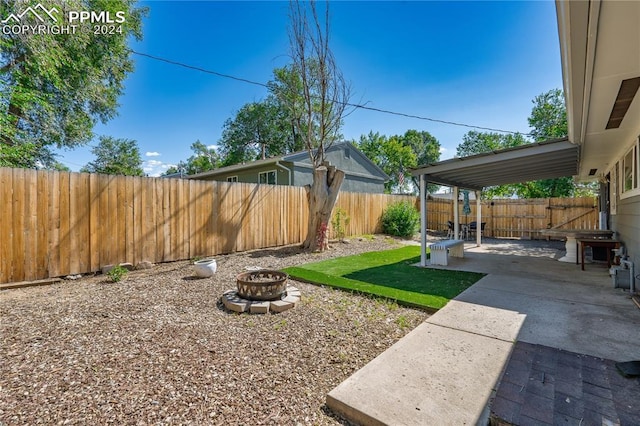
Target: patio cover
540 160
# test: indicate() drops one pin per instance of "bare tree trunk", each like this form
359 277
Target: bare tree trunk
317 95
322 197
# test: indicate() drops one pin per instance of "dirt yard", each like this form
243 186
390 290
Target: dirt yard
158 347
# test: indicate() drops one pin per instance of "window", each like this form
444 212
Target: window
629 171
232 179
267 177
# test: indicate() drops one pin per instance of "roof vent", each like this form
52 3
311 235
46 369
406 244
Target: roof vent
628 89
592 172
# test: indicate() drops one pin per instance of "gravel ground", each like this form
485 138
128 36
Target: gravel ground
158 348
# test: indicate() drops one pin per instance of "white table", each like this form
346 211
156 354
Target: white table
572 235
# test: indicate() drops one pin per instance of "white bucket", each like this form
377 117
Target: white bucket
205 268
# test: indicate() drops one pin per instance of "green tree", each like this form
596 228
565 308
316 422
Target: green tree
115 157
474 142
55 87
395 155
202 160
548 117
259 130
391 155
548 120
424 145
426 149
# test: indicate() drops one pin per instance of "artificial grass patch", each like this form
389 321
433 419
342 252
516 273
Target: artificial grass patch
389 274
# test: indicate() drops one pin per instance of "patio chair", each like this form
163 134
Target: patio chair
450 229
464 230
473 228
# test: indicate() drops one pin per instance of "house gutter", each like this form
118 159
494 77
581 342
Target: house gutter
284 168
592 37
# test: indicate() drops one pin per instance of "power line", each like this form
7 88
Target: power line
357 106
180 64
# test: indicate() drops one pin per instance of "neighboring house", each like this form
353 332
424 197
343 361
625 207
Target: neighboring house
361 174
600 52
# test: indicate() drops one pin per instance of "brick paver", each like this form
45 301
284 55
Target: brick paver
547 386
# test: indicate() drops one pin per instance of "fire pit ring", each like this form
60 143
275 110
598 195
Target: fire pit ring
263 284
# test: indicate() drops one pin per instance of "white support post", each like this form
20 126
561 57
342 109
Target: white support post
456 214
478 219
423 221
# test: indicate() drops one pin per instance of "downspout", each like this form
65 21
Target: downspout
284 168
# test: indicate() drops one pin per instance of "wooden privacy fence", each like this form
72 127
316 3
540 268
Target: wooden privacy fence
59 223
519 218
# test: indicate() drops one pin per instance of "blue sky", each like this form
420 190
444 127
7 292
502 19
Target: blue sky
478 63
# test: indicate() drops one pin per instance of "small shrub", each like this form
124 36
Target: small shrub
339 223
402 322
400 219
117 273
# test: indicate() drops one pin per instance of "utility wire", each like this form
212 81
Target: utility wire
357 106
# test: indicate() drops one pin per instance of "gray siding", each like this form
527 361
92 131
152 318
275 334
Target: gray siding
627 224
251 175
355 163
304 176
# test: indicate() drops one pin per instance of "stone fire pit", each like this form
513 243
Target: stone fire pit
261 291
263 284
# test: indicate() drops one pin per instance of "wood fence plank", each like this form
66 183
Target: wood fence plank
75 216
53 249
149 224
18 220
83 221
183 222
192 240
131 254
94 222
31 224
159 197
7 225
65 223
42 225
102 231
166 217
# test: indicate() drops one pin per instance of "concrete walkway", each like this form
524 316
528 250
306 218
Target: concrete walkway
445 371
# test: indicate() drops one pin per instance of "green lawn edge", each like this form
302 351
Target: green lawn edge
402 297
429 302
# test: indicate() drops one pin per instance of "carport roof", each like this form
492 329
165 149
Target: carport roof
539 160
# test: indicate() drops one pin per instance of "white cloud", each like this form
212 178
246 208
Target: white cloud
152 154
212 146
155 168
443 149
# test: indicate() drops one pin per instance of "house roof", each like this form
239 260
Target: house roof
600 49
540 160
297 158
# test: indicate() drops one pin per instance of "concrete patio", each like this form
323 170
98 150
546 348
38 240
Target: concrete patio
446 370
